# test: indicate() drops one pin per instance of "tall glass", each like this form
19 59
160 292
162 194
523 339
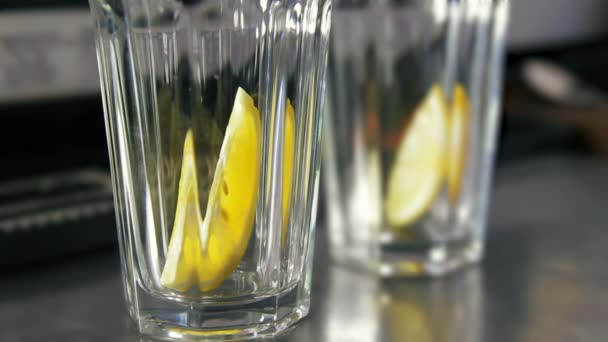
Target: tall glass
410 132
207 103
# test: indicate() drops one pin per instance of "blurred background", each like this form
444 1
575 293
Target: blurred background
57 223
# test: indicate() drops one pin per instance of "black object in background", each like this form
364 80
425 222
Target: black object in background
53 215
55 188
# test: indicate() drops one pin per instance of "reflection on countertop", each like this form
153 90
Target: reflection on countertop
359 307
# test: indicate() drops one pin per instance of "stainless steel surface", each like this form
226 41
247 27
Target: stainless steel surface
544 279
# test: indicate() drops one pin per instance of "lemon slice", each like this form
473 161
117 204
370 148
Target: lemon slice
204 252
416 175
290 128
184 250
458 141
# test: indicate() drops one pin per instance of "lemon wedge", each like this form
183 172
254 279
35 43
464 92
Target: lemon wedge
415 178
458 141
290 131
204 252
184 250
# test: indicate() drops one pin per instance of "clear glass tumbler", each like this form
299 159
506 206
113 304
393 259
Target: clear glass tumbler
410 131
207 103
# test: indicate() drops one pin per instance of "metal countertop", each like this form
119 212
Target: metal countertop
544 278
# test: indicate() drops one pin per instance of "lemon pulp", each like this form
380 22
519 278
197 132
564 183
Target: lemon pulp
458 141
205 251
415 178
290 124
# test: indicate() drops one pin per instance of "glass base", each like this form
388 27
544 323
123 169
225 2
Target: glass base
268 317
413 260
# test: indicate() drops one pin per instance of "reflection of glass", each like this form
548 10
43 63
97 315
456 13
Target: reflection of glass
207 104
359 307
449 309
351 306
410 131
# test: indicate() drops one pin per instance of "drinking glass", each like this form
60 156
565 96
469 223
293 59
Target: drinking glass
207 103
410 132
